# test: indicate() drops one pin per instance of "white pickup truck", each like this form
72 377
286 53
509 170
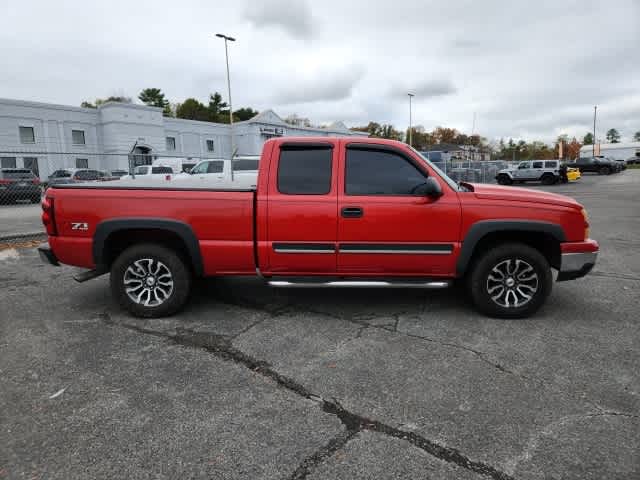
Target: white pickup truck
218 171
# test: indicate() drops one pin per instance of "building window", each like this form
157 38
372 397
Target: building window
210 146
27 135
82 163
8 162
171 143
77 137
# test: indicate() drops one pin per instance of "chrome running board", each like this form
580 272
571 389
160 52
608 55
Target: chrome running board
433 284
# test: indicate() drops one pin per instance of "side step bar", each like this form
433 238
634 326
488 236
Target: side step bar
432 284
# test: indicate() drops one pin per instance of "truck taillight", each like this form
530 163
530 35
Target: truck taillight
48 216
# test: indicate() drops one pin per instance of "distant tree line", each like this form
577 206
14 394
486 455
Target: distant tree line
192 109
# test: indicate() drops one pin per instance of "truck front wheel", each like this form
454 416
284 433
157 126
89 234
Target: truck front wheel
511 280
150 280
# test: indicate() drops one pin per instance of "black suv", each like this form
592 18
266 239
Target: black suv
19 184
601 166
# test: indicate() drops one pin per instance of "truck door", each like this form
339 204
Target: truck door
302 209
386 226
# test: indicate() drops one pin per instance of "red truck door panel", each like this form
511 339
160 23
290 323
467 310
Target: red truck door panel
385 226
302 209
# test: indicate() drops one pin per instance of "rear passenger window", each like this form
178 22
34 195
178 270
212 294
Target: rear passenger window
304 171
537 164
376 172
549 164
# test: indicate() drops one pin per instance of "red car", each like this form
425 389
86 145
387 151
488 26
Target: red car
327 212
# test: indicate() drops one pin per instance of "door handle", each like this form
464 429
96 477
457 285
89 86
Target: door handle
352 212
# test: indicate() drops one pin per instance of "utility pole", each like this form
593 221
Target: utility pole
226 54
593 149
411 95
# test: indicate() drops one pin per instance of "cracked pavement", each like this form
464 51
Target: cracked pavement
251 382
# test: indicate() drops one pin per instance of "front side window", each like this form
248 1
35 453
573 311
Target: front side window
8 162
537 164
27 135
523 165
200 168
210 146
77 137
304 170
215 167
378 172
171 143
143 170
82 163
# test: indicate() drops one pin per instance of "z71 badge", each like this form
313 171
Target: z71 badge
79 226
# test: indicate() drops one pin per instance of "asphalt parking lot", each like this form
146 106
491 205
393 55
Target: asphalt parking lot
251 382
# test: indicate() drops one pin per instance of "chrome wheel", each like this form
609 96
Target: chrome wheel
512 283
148 282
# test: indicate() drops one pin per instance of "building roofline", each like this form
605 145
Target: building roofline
54 106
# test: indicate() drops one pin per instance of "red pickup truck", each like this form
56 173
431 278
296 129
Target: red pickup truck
326 212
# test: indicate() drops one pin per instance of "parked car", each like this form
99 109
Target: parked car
19 184
601 166
326 212
149 172
218 172
117 173
75 175
545 171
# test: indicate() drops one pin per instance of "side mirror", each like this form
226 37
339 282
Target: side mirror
430 188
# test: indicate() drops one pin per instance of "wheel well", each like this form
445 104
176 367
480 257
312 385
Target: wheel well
118 241
545 243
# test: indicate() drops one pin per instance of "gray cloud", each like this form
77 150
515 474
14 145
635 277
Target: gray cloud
319 87
426 89
292 16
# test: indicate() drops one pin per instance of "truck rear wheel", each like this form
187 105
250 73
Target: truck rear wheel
511 280
149 280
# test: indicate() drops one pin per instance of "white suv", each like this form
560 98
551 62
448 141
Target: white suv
545 171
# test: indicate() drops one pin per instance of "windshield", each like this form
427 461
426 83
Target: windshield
442 175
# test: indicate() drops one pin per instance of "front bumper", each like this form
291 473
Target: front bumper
576 260
47 255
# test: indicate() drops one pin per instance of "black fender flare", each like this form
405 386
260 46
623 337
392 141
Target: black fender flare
480 229
182 230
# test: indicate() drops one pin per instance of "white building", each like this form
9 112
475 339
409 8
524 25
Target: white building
618 151
45 137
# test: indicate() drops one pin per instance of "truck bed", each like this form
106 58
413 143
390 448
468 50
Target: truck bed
221 219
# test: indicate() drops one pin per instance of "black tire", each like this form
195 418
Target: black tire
163 260
504 179
548 179
479 284
604 171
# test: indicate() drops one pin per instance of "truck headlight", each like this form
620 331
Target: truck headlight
586 223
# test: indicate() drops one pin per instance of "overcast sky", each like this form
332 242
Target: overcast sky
528 69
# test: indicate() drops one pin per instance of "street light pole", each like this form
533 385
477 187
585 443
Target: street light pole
226 55
593 148
411 95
